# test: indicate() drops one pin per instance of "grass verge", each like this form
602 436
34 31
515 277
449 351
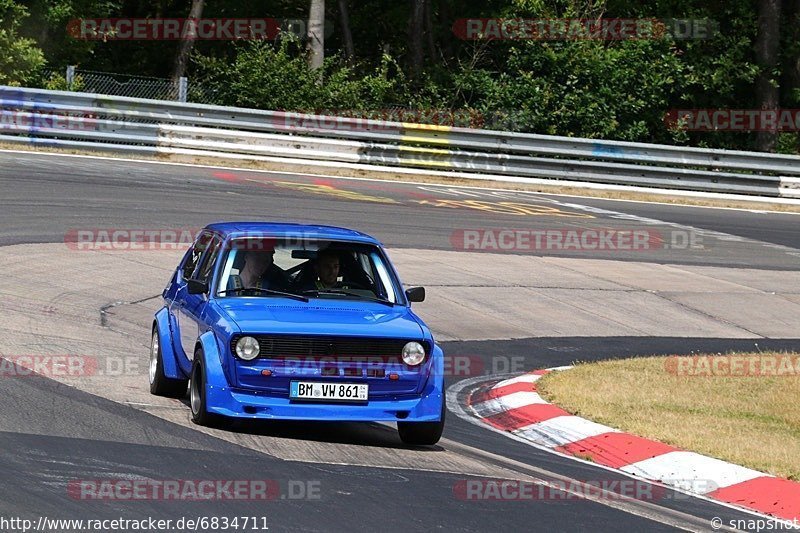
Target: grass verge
750 420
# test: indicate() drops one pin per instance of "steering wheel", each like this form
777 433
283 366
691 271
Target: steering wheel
355 285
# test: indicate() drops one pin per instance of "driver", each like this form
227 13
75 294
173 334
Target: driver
327 268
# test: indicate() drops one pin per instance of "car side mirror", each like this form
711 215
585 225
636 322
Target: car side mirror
415 294
195 286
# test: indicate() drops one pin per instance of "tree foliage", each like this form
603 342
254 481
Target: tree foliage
266 77
406 54
20 58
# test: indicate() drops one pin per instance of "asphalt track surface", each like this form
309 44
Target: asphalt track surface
50 432
43 197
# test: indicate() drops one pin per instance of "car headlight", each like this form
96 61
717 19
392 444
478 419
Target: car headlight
247 348
413 353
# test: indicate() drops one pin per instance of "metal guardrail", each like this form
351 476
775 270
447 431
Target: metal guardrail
80 120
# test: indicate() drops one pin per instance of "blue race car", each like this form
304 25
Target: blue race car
296 322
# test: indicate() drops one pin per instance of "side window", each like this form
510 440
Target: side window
203 272
195 253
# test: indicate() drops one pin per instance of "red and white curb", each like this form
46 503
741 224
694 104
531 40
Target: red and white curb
514 407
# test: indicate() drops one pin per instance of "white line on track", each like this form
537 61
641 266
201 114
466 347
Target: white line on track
388 180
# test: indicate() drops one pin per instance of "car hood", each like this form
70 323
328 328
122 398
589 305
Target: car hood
315 318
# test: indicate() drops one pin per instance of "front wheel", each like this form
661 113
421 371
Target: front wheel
161 385
422 433
197 395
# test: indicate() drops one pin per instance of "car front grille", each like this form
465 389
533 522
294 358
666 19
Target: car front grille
311 346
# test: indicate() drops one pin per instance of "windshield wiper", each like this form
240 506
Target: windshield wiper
317 292
266 291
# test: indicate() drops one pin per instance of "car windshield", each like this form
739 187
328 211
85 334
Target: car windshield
310 268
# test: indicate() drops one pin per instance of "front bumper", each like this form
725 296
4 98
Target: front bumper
239 403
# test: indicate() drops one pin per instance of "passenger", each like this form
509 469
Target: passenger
259 272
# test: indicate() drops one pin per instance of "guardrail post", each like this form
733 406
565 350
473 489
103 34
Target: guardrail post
183 88
70 76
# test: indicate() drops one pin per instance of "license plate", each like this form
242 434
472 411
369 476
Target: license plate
353 392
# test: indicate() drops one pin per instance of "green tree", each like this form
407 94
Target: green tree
20 59
55 26
267 77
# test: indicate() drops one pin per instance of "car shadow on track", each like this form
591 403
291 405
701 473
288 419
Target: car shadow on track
370 434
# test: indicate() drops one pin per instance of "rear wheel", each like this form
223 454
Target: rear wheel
197 395
422 433
161 385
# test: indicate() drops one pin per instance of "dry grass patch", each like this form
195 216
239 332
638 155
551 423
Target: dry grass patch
751 421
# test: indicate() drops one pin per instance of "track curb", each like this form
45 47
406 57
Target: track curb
514 406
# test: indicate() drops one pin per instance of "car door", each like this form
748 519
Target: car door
185 331
192 312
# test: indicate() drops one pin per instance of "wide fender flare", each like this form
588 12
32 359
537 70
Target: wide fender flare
433 394
168 361
212 364
438 367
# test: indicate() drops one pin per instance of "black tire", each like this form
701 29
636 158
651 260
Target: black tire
197 395
161 385
422 433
